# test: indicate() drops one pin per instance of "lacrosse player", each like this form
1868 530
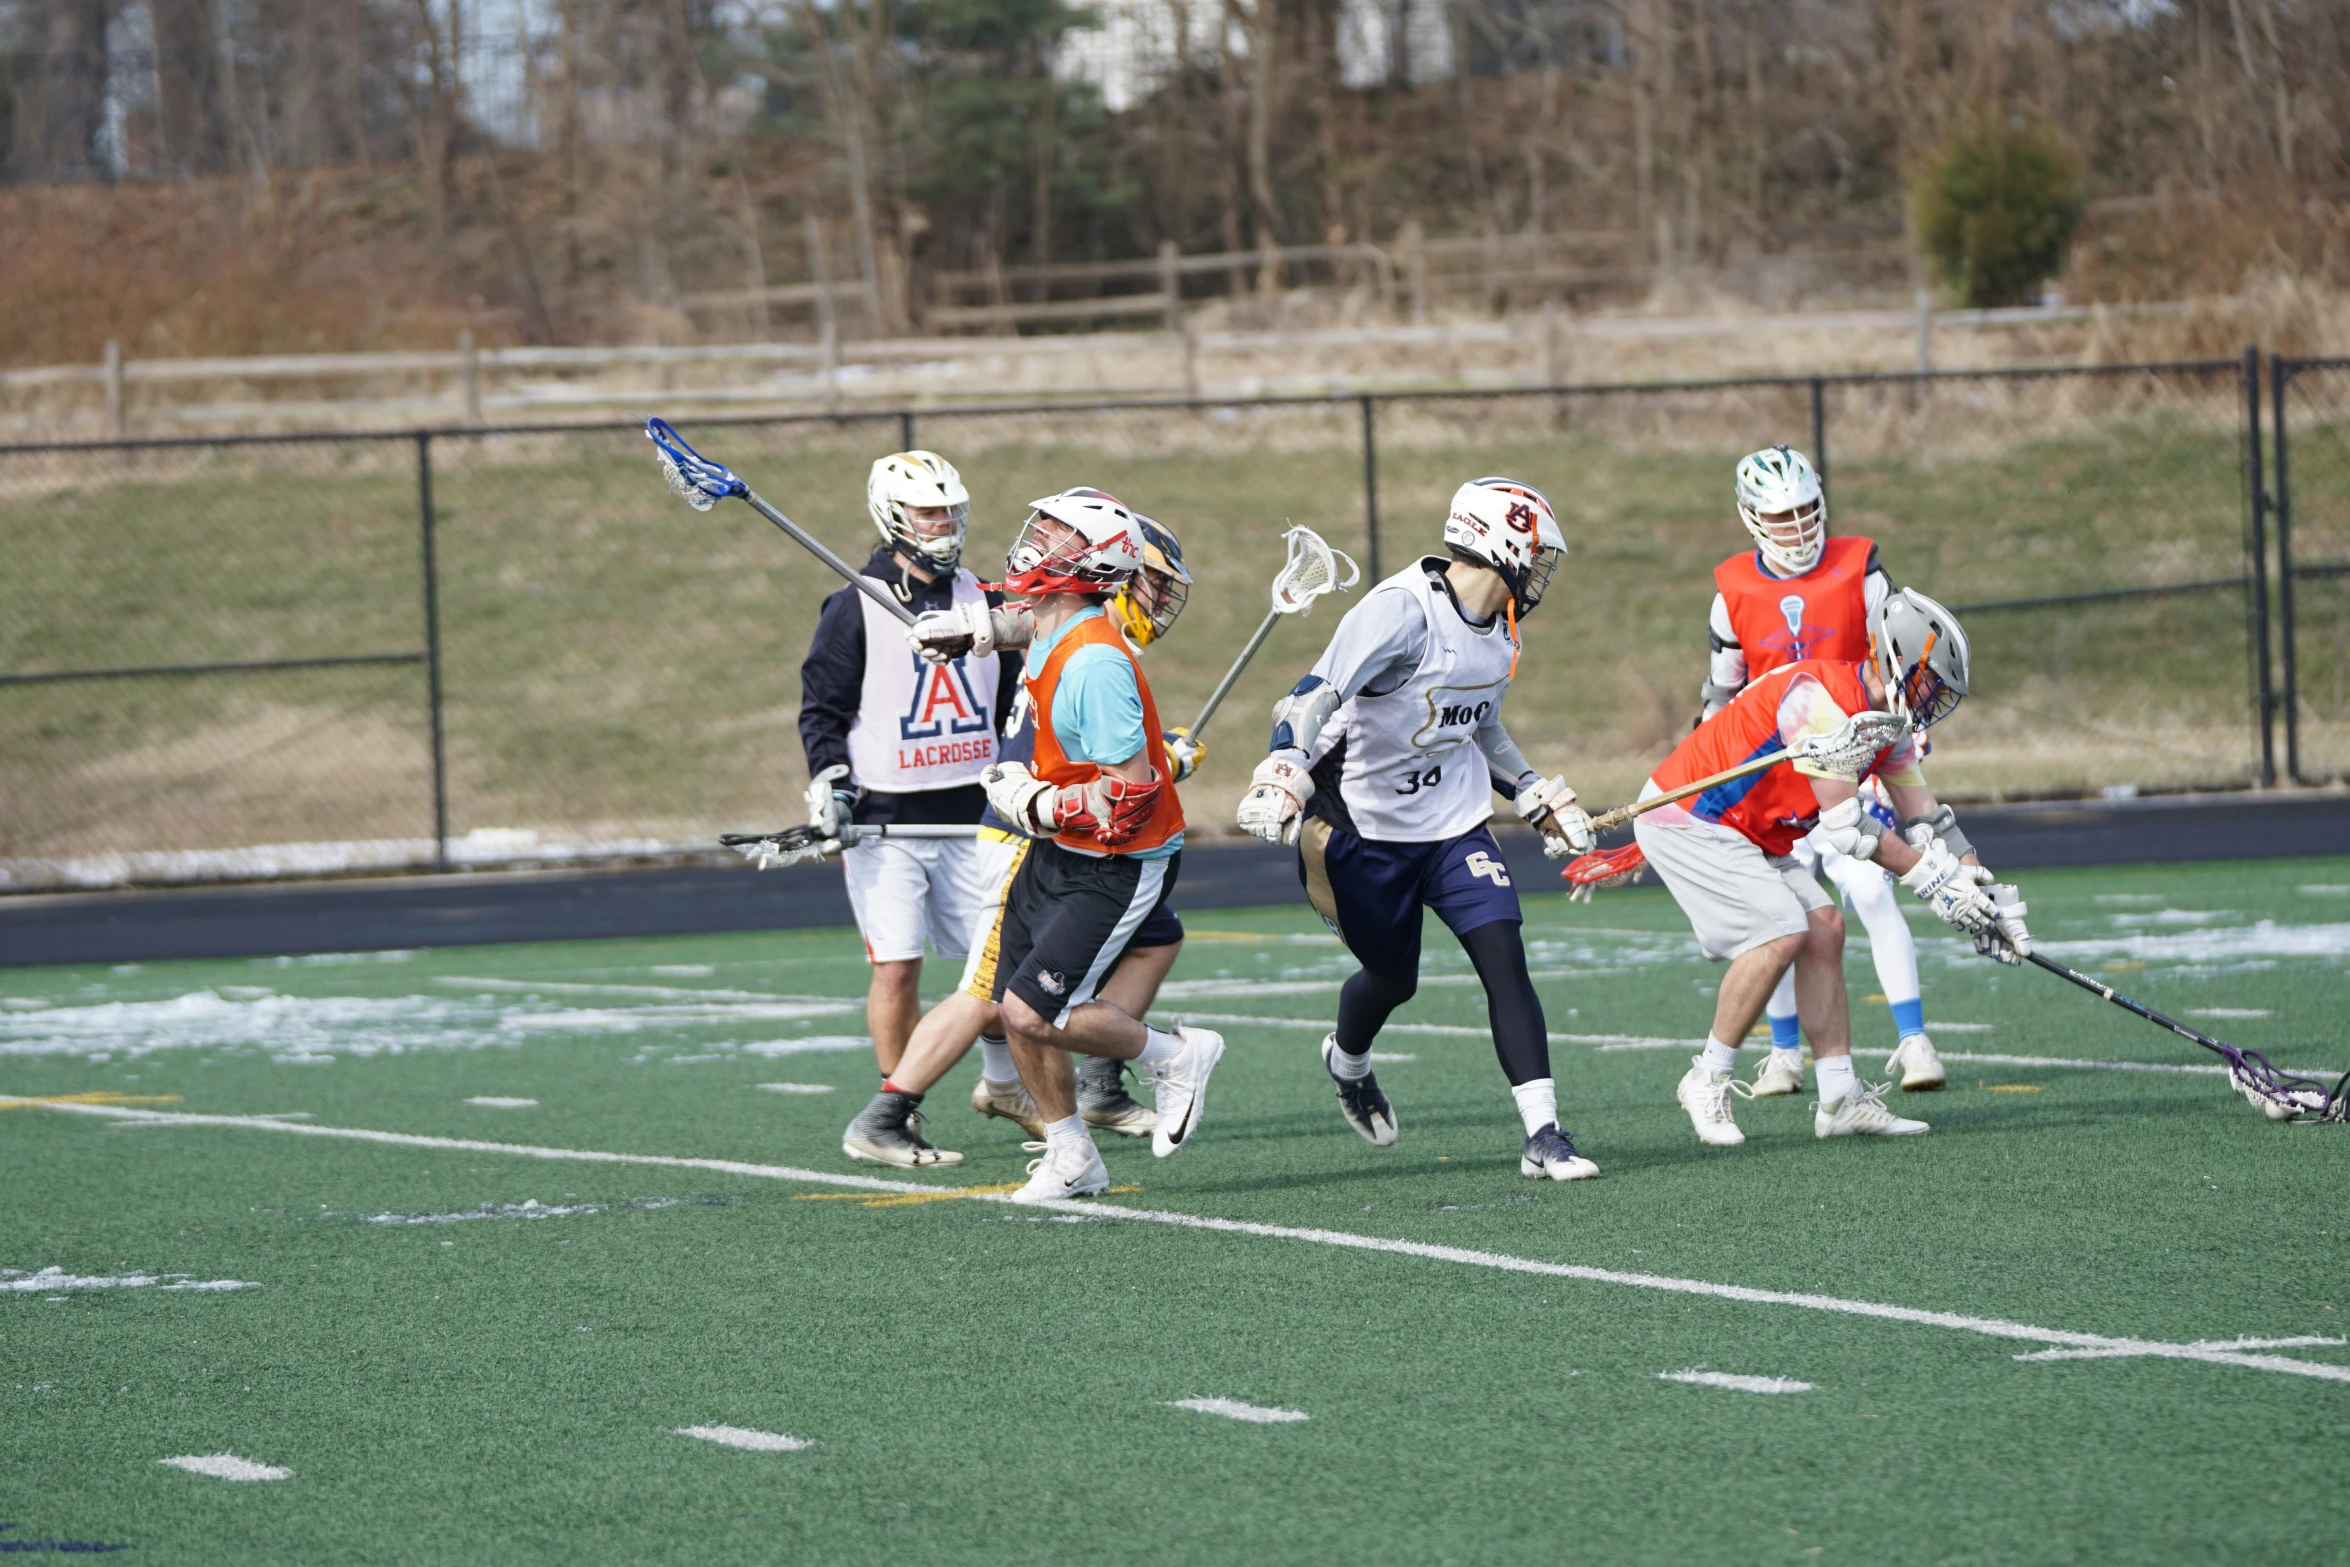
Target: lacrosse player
1800 594
1105 839
1726 854
887 1130
893 738
1383 766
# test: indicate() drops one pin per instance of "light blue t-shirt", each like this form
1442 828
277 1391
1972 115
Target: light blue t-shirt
1097 706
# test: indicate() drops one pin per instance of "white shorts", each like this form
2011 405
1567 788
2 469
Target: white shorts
906 888
1737 897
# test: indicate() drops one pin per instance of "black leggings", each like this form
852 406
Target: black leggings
1520 1036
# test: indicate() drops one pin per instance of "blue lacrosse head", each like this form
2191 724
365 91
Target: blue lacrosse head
693 477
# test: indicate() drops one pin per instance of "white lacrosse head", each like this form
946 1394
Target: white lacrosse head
684 488
1848 749
1310 571
1509 526
1783 506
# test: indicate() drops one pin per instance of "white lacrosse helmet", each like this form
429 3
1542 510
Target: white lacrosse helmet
1921 654
1783 506
923 479
1079 541
1509 526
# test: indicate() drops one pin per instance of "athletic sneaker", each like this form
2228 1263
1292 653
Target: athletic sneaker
1781 1073
1010 1102
889 1131
1073 1169
1360 1100
1182 1087
1705 1094
1920 1068
1104 1102
1862 1113
1550 1155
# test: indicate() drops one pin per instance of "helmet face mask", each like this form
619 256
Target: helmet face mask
1146 608
1785 509
1920 652
919 503
1509 527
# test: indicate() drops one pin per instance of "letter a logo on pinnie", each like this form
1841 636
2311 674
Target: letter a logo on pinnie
1482 864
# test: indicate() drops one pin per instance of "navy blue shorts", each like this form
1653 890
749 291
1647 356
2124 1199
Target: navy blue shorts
1371 894
1160 928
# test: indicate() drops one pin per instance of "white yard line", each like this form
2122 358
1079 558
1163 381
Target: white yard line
1453 1030
2304 1341
2208 1351
1735 1383
1234 1409
48 1281
745 1438
560 987
496 1102
227 1466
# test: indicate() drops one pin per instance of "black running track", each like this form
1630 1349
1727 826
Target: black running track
692 899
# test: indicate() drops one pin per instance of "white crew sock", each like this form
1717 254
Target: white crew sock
1352 1069
1158 1048
1720 1057
995 1060
1538 1103
1835 1078
1071 1130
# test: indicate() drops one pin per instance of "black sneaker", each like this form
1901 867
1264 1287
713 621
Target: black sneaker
1366 1108
889 1131
1550 1155
1104 1102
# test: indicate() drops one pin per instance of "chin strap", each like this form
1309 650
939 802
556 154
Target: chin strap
1510 611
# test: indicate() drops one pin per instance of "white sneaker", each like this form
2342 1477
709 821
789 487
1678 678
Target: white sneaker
1181 1087
1920 1068
1071 1169
1781 1073
1862 1113
1705 1094
1009 1101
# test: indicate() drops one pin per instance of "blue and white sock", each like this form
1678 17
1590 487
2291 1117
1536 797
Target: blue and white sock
1787 1032
1909 1017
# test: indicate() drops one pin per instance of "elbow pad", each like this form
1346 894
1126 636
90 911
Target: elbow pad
1849 830
1940 823
1713 698
1298 717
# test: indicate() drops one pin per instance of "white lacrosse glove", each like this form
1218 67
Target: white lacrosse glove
1548 806
1274 807
1184 753
1020 797
829 807
970 630
1953 891
2005 938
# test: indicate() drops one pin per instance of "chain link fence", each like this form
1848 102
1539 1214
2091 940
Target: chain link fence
252 657
2310 400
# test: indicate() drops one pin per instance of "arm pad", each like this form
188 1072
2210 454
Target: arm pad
1941 823
1849 830
1298 717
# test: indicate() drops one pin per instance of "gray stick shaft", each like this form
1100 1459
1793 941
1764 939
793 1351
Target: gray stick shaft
856 579
912 830
1224 686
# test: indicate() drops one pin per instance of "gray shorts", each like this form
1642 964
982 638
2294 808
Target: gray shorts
1737 897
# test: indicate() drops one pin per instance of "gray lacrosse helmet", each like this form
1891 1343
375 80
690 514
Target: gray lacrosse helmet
1921 652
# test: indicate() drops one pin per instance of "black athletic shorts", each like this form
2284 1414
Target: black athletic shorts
1067 920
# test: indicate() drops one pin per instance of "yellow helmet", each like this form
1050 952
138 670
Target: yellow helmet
1146 607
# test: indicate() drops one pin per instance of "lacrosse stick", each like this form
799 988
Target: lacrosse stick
1602 869
1848 748
701 484
809 842
2280 1095
1310 571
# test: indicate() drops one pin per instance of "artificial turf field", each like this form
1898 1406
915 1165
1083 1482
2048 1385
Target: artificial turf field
452 1376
